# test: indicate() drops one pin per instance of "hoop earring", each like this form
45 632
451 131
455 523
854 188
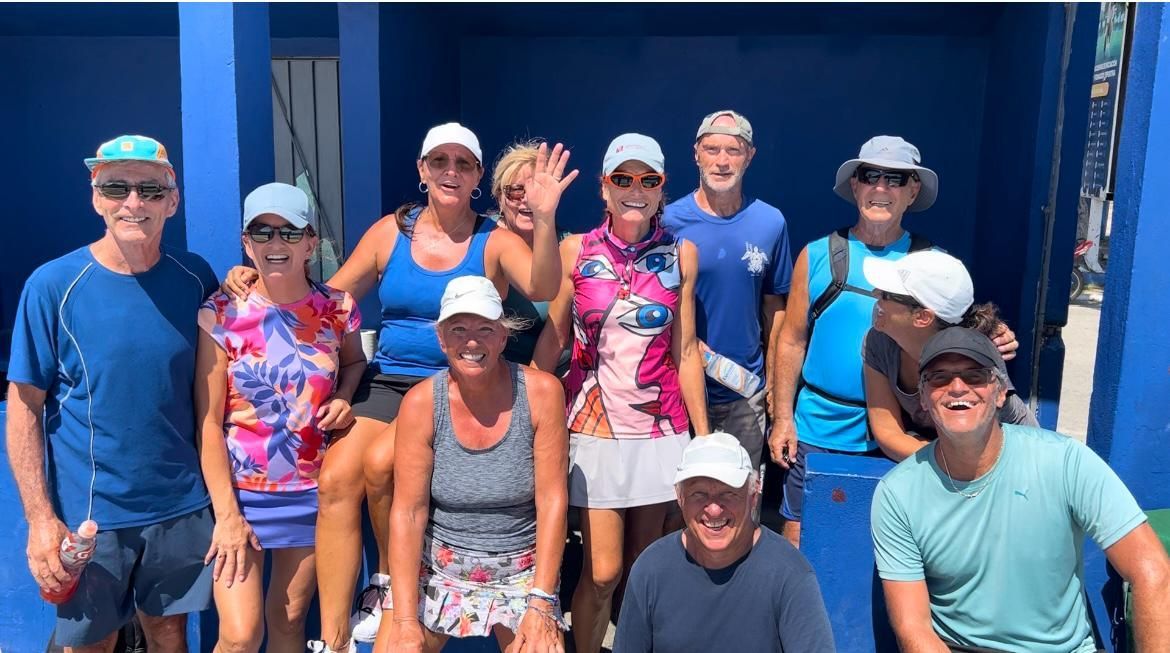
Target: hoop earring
476 193
422 187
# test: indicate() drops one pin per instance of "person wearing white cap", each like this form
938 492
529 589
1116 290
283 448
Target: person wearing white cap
635 381
100 424
407 258
745 269
480 500
724 583
261 452
918 296
979 537
818 398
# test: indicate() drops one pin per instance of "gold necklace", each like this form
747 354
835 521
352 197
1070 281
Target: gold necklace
987 483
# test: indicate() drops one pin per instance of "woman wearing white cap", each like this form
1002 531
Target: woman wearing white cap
480 499
276 370
635 384
440 240
918 296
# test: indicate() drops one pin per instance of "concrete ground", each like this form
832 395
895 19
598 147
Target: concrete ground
1080 343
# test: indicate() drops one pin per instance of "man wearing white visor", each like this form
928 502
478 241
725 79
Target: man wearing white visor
723 583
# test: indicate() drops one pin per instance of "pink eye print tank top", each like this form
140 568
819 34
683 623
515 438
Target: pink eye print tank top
623 382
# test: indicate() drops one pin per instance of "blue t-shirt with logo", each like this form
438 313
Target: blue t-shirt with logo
741 258
115 354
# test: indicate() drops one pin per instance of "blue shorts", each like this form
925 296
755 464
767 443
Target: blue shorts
281 520
793 502
157 569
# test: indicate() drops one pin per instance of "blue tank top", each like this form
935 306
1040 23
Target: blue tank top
407 342
834 361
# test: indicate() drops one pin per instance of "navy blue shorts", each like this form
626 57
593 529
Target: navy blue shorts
157 569
790 508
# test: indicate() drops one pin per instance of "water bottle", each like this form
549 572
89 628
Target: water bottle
76 550
730 374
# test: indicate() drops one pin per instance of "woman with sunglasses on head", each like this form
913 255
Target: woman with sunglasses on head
408 257
275 372
635 386
918 296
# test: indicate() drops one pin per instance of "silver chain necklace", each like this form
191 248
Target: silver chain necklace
942 454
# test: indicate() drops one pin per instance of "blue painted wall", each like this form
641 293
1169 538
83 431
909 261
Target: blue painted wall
59 120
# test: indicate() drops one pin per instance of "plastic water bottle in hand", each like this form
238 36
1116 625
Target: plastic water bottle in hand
76 550
730 374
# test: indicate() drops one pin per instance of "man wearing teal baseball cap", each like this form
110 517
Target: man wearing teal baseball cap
104 343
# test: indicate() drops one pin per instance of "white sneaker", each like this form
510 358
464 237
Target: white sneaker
365 621
318 646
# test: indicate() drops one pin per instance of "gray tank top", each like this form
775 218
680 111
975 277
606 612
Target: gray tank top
484 499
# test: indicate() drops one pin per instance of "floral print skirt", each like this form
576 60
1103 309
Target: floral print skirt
463 593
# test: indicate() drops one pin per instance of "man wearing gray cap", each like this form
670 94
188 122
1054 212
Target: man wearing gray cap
818 398
978 536
724 583
744 271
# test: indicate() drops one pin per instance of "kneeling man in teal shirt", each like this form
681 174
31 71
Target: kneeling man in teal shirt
978 536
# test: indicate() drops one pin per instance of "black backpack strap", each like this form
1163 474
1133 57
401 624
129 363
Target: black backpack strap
919 242
839 266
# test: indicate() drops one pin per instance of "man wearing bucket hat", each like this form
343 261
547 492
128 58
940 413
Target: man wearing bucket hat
818 394
978 536
104 343
744 272
724 583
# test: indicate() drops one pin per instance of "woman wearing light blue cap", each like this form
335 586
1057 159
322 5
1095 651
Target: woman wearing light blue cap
276 370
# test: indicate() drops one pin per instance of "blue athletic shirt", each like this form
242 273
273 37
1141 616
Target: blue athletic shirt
116 353
834 359
410 295
741 258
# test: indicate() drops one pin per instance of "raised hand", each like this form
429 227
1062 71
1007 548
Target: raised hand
239 280
549 181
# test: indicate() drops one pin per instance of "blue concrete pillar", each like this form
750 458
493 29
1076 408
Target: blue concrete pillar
359 32
226 68
1129 420
1129 423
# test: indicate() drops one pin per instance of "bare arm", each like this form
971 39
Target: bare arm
791 345
550 454
26 455
885 418
360 272
555 336
232 534
414 461
336 413
685 346
908 605
1140 559
536 273
771 317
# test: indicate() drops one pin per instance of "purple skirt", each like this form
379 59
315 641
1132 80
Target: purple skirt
282 520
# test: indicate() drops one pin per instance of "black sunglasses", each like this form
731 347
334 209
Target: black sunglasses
647 180
894 178
905 300
978 376
262 233
150 191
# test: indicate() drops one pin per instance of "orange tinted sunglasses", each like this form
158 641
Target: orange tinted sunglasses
648 180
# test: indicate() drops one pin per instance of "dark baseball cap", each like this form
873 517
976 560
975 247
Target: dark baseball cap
962 341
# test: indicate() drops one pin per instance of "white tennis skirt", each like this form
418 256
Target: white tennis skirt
623 472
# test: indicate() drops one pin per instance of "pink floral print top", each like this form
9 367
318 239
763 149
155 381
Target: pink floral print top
282 367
